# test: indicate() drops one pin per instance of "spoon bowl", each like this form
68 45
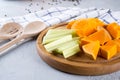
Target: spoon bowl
10 30
34 28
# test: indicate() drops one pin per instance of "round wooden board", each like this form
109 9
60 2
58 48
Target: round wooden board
78 64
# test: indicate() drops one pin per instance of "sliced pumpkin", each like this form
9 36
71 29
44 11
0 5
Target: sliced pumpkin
108 36
96 22
114 30
99 35
85 41
117 42
81 27
85 27
69 25
92 49
108 50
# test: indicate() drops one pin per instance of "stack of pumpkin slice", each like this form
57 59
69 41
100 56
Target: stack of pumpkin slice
97 38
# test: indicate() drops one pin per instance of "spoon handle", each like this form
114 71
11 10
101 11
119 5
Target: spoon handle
14 46
11 43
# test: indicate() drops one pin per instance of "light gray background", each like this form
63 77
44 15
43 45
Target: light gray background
23 62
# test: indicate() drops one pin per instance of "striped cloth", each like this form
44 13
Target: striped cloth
56 15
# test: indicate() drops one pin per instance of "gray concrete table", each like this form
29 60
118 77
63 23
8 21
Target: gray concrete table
23 62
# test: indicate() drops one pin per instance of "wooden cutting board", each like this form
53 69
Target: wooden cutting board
77 64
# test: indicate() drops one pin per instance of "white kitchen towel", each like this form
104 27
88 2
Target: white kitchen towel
57 15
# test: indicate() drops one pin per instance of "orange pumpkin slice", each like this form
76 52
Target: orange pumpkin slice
92 49
99 35
114 30
69 25
85 27
81 27
108 50
117 42
108 36
85 40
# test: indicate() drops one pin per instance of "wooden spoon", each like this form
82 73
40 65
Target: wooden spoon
10 30
32 29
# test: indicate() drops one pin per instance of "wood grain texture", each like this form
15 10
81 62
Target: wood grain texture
78 64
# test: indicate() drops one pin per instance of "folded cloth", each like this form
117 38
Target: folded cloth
57 15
